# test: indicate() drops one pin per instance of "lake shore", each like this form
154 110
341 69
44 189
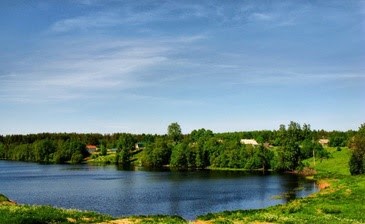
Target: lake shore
339 201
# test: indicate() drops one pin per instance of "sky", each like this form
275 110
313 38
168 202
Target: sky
137 66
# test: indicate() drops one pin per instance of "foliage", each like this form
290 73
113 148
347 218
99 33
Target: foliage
76 158
103 150
174 132
283 149
357 161
179 156
156 154
126 144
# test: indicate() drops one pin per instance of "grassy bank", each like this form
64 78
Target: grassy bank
341 200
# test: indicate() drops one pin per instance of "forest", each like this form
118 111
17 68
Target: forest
283 149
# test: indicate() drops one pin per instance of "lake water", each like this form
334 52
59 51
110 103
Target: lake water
108 190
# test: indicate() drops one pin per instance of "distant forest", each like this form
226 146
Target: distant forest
283 149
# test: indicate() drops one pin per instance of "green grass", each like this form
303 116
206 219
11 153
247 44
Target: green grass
23 214
110 158
335 166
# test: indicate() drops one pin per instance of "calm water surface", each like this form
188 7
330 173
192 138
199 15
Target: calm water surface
109 190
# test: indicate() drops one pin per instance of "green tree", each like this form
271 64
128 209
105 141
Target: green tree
76 158
174 132
156 154
126 144
357 163
2 151
43 150
178 156
103 150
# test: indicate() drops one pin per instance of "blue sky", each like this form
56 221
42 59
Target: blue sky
137 66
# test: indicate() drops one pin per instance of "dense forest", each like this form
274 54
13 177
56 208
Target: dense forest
282 149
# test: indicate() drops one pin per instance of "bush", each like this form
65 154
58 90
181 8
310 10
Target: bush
356 164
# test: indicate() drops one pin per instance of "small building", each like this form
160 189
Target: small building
139 146
323 141
113 149
91 148
252 142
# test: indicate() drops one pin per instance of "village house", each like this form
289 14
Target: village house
91 148
139 146
323 142
252 142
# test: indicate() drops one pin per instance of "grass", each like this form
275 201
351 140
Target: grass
341 201
23 214
110 158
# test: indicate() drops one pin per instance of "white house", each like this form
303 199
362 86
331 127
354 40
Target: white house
323 142
252 142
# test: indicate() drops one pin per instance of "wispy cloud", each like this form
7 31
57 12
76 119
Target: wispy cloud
262 16
73 70
99 20
130 14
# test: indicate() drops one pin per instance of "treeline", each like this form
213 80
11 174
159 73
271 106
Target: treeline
282 149
63 147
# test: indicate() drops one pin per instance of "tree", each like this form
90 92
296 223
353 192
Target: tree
76 158
2 151
357 163
126 144
103 150
289 151
44 149
179 157
156 154
174 132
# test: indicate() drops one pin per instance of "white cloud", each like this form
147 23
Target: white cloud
73 69
99 20
262 16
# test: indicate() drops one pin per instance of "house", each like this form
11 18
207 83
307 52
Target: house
91 148
252 142
323 141
139 146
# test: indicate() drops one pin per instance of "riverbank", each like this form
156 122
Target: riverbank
339 201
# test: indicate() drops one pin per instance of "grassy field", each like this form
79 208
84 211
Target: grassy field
341 200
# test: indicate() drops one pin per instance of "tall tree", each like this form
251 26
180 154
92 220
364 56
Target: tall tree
357 163
126 144
174 132
289 151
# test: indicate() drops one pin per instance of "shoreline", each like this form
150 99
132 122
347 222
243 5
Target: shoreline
338 195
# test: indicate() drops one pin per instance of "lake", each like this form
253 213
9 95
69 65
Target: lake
108 190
